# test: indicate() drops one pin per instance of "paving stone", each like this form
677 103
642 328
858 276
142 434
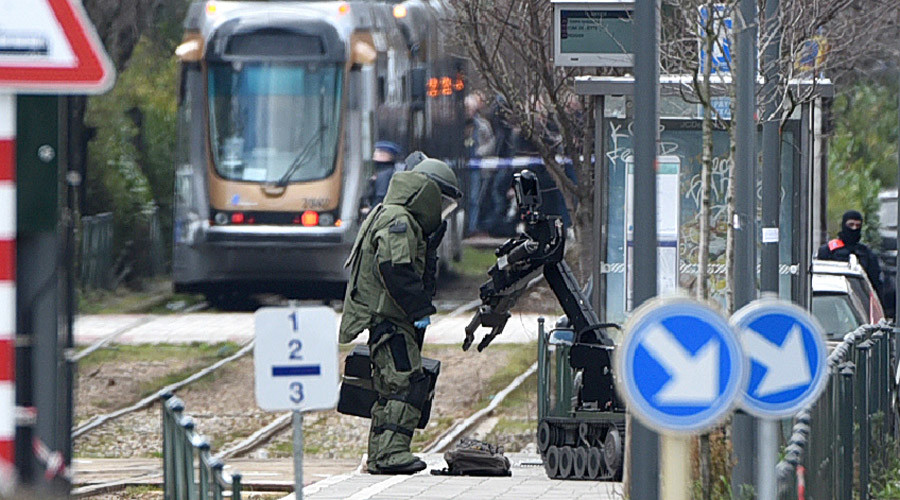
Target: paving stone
527 483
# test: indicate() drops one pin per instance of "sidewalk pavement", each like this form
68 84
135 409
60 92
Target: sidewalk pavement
528 482
239 327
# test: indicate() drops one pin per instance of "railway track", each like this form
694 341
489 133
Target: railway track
149 400
280 424
127 328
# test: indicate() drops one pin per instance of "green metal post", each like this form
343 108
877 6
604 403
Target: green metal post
202 447
563 381
830 434
543 372
888 377
862 412
218 477
175 407
817 436
834 401
187 447
565 372
236 486
878 390
168 456
846 430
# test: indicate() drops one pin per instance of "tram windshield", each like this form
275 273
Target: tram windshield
274 122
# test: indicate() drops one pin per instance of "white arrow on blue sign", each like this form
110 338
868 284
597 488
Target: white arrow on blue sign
680 367
787 354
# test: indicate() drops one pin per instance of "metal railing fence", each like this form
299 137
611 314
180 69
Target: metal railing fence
96 251
184 450
846 438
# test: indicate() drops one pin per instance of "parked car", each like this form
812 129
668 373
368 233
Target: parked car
887 218
887 229
842 297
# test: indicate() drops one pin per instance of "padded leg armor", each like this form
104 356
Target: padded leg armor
402 389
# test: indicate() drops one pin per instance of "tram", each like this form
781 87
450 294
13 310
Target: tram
279 106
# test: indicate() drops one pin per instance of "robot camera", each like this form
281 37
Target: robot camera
528 191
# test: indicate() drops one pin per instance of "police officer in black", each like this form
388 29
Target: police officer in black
847 243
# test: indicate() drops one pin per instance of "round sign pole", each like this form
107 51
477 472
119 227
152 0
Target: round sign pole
787 351
680 370
297 420
675 464
767 442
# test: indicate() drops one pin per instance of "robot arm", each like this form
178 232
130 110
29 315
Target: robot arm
538 249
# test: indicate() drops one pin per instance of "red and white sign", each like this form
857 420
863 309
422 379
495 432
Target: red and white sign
7 288
50 46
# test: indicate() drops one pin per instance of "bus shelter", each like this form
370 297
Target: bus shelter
802 185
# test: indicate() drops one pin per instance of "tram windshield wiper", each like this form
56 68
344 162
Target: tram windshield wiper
300 159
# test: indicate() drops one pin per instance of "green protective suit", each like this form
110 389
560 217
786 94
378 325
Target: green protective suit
385 295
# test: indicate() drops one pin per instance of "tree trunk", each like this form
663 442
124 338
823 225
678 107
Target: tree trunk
709 40
729 235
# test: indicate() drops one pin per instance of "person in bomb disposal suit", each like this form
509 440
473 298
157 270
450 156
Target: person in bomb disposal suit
847 243
392 299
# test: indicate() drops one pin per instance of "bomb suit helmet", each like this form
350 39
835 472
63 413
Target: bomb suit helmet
443 176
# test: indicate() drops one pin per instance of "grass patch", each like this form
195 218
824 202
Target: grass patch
523 397
475 262
435 427
144 489
507 426
512 434
286 448
155 298
174 304
521 356
159 352
153 386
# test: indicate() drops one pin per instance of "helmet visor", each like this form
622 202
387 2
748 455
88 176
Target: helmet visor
448 205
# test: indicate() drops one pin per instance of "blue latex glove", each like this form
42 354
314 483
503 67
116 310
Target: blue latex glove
422 323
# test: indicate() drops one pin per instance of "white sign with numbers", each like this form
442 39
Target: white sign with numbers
295 358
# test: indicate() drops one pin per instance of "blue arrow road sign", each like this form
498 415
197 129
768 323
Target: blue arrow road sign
787 354
680 367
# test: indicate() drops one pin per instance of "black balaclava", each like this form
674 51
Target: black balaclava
850 236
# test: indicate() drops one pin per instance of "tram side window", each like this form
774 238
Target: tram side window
189 74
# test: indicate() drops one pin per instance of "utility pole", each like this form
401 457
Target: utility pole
771 155
897 244
644 451
767 430
743 428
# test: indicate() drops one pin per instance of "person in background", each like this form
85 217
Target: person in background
385 159
495 220
847 244
479 143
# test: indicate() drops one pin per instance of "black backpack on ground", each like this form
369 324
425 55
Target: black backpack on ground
475 458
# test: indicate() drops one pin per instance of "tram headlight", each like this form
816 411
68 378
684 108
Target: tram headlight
221 218
326 219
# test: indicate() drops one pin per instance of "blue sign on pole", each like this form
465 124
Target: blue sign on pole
787 353
722 27
680 367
